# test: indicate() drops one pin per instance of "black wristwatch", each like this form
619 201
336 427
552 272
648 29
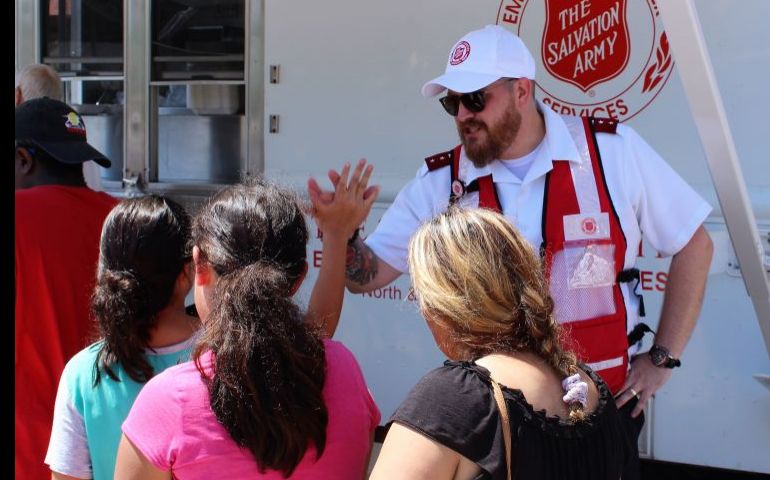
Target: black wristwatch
661 357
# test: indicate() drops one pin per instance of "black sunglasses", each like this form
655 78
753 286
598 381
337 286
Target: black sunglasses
473 101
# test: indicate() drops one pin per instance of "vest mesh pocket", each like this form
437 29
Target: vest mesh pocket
582 281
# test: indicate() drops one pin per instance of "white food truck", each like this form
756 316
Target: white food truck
188 95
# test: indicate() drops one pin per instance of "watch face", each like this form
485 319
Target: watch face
658 356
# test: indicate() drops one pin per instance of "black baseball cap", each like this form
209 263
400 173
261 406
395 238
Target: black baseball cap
57 129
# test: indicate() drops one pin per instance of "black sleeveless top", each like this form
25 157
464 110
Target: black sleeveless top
455 406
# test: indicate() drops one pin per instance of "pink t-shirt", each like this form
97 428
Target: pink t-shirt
173 425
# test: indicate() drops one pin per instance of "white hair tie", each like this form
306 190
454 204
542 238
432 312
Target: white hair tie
577 390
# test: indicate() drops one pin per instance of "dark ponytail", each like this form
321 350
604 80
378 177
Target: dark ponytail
145 245
269 367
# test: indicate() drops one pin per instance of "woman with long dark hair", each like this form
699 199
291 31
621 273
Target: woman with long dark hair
145 272
510 402
265 396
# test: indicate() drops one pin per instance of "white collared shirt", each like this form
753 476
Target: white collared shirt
648 195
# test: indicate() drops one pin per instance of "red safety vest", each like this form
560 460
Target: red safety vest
583 248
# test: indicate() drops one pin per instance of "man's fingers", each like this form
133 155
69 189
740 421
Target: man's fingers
334 177
356 176
370 196
625 395
639 405
373 190
342 183
365 178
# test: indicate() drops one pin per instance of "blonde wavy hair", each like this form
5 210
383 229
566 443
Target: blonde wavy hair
479 279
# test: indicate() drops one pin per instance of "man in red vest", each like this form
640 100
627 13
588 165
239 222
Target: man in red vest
58 223
580 190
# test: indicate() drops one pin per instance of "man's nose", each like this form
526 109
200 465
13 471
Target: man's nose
463 113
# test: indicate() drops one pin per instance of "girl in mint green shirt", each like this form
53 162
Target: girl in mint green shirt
143 278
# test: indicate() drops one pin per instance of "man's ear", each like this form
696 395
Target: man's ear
299 281
202 268
25 162
524 90
19 96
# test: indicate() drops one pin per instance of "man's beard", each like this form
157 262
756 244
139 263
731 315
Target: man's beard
490 142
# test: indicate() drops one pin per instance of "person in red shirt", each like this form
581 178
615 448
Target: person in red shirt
39 80
58 222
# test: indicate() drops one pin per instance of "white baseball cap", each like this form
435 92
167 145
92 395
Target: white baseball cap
480 58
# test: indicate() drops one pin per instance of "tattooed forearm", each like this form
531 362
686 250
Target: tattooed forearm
361 263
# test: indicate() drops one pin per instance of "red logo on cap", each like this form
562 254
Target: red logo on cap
460 53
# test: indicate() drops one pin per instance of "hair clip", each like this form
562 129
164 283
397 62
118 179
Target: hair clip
577 390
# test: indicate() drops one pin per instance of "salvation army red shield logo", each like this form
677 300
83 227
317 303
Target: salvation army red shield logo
460 53
585 43
599 58
588 225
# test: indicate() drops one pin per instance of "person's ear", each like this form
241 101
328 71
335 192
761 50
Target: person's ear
523 91
203 272
19 96
299 281
25 162
186 277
